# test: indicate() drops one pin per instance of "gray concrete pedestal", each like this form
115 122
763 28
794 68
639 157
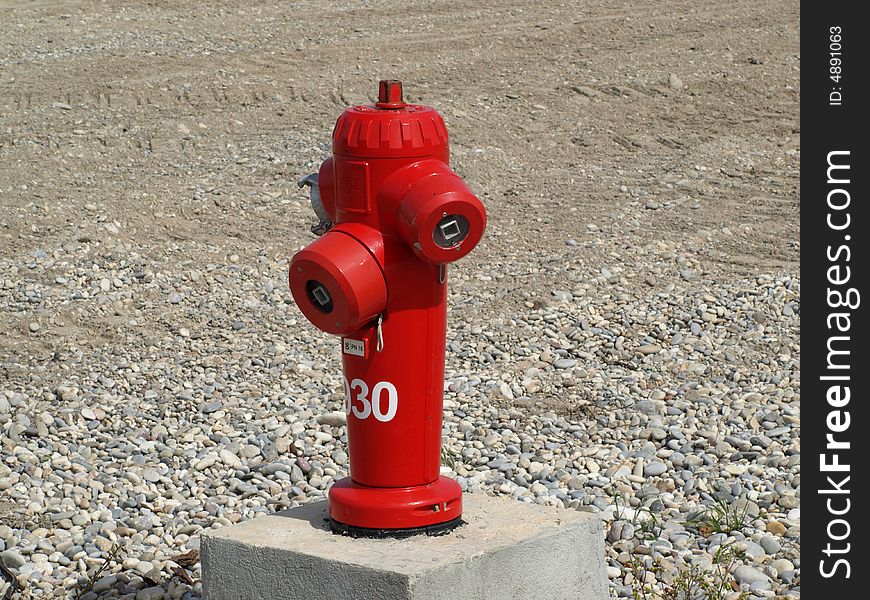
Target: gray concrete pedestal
506 550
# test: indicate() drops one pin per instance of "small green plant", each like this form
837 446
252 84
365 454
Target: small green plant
685 582
689 582
112 557
720 518
640 589
448 457
647 528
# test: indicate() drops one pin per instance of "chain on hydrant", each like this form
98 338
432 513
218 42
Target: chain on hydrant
392 216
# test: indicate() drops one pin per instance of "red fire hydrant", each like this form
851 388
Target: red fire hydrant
378 278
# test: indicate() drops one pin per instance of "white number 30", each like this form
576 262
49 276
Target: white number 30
362 408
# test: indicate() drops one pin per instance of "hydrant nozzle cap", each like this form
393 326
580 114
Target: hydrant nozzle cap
390 128
390 94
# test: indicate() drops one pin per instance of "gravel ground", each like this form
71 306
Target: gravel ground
624 341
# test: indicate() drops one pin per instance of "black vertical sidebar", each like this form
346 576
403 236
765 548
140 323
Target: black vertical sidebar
834 359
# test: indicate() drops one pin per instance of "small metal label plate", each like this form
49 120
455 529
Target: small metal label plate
353 347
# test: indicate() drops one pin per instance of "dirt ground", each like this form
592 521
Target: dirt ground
179 129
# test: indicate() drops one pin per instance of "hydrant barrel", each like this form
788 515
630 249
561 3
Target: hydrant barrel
394 395
378 278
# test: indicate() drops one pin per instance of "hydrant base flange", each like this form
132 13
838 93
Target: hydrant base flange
408 509
365 532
